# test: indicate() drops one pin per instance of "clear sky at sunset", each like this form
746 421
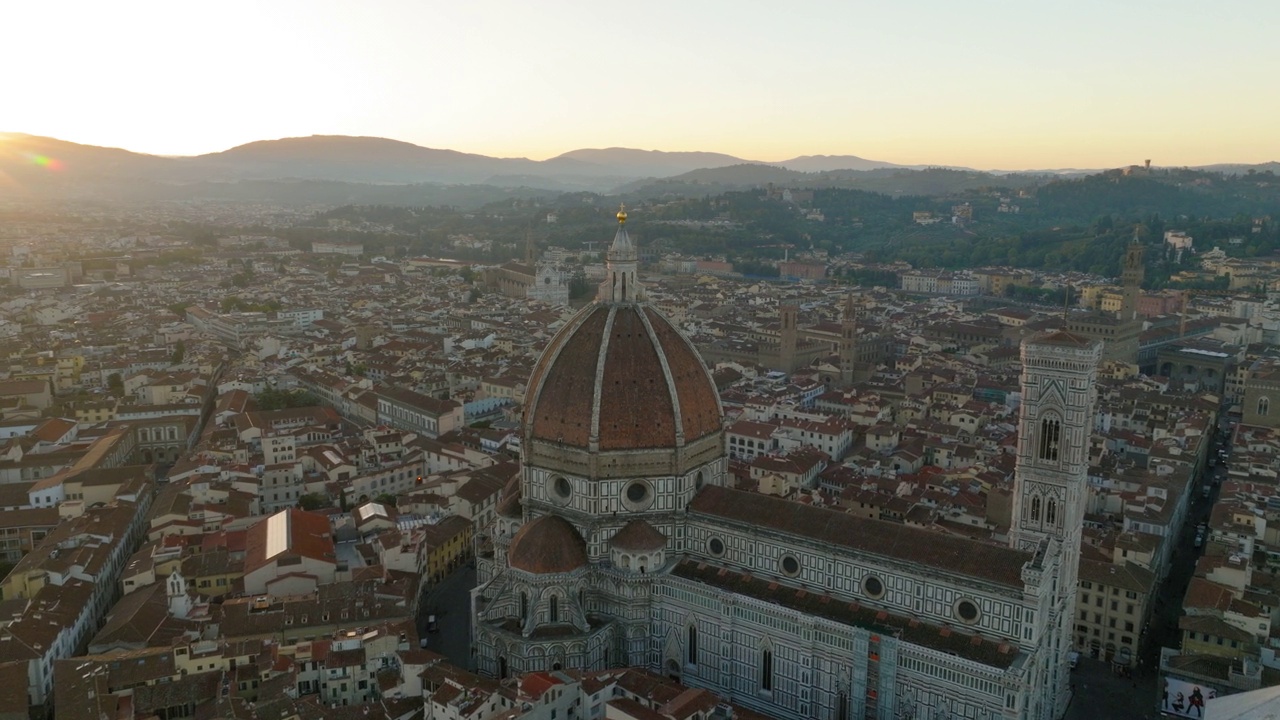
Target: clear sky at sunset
1086 83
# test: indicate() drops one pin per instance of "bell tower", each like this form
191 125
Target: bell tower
1131 278
787 313
1055 422
848 341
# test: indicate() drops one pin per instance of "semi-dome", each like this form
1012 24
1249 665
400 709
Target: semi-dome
547 545
638 536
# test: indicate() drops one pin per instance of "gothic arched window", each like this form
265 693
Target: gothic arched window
524 606
554 609
1264 406
1050 436
693 645
1035 509
766 670
1051 512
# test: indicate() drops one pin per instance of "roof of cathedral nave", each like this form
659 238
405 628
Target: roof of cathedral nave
547 545
832 528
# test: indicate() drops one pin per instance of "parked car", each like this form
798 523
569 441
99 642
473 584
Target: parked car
1199 540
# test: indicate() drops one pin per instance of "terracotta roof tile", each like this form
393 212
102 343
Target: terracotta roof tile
547 545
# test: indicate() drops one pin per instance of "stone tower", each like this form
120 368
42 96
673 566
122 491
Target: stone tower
787 336
1055 422
1131 278
848 341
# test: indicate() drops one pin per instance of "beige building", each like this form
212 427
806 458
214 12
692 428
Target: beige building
1111 609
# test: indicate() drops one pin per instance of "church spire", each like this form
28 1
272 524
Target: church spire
621 284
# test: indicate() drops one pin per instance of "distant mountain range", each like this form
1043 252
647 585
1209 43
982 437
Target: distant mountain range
370 160
48 166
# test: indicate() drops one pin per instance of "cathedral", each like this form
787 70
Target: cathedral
625 545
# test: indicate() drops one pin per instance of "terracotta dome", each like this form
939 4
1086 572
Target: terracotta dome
638 536
621 374
547 545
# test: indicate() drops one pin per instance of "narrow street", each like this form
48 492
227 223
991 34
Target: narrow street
450 601
1099 694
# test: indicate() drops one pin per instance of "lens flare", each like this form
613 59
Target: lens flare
44 161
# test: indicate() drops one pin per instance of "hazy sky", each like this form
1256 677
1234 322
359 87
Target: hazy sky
1045 83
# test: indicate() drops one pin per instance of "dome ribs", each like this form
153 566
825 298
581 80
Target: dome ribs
635 403
699 404
563 411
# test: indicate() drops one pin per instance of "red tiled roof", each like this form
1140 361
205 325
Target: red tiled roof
306 534
547 545
641 363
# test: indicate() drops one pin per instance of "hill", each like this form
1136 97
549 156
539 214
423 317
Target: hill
647 163
824 163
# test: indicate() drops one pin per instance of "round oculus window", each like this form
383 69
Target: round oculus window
967 611
562 488
637 493
715 546
873 587
790 565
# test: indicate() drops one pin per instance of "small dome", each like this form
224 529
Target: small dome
547 545
638 536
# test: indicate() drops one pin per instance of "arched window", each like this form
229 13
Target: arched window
1050 435
1264 406
554 609
1051 512
1035 509
842 706
693 645
502 668
524 606
766 670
